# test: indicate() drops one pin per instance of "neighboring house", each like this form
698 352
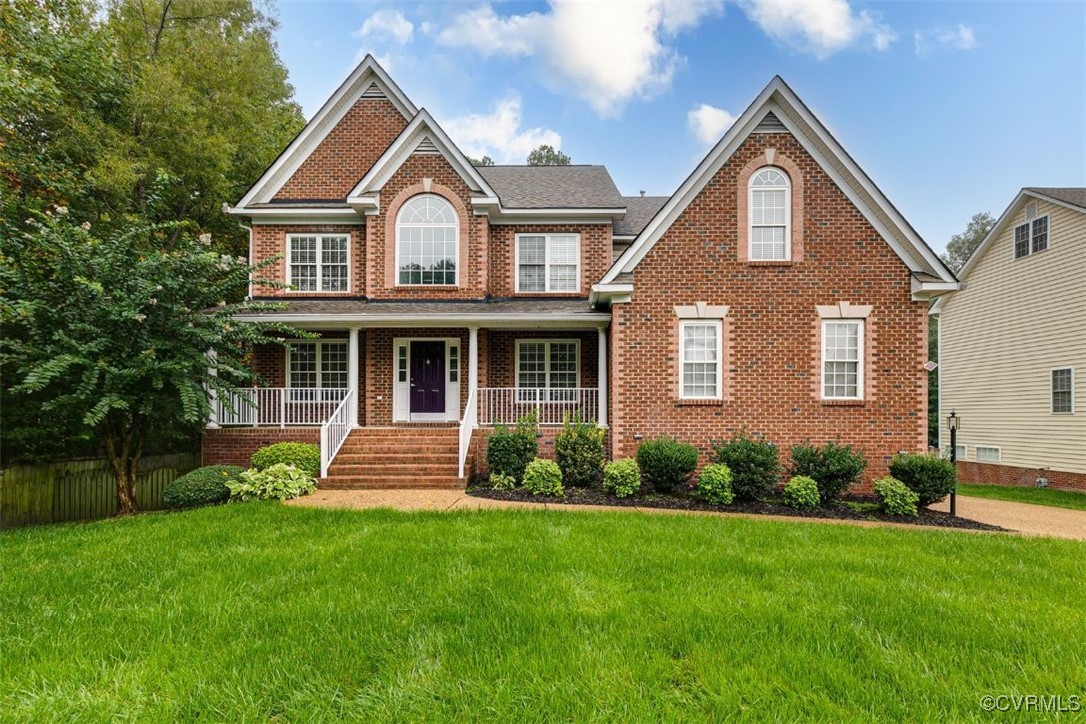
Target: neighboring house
777 290
1012 346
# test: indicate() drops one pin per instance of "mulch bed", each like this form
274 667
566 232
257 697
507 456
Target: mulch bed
849 507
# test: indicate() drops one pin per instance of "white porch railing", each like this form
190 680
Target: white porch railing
467 426
334 431
505 405
278 406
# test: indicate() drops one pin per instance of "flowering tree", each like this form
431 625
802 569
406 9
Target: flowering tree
126 333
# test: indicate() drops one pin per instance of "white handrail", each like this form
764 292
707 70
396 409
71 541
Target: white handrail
467 426
506 405
334 431
277 406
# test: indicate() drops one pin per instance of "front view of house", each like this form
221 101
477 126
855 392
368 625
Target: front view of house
776 290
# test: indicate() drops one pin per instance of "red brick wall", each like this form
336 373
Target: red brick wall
771 349
347 152
235 445
270 241
993 474
595 256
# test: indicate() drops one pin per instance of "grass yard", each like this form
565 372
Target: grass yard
1018 494
261 611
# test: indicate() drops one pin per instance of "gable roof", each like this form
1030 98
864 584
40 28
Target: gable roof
553 187
369 80
639 212
788 110
1068 195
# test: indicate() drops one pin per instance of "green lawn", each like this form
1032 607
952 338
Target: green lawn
261 611
1018 494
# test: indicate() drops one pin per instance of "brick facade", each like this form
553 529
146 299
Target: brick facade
235 445
595 255
993 474
270 242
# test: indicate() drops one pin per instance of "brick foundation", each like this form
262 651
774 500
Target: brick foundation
235 445
991 474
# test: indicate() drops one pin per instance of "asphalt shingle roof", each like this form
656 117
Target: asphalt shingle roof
639 212
363 307
553 187
1070 195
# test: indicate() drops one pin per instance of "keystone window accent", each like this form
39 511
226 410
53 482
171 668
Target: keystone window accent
316 366
770 211
548 262
1031 237
427 242
1063 391
549 365
842 359
988 454
700 354
318 262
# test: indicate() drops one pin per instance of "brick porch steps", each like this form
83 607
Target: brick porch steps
378 458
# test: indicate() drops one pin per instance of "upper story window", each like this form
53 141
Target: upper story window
1063 391
1031 237
318 262
842 359
548 262
770 212
700 354
427 242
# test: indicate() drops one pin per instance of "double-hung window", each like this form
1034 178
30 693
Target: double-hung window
1031 237
318 262
1063 391
700 359
770 212
548 262
842 359
547 370
317 371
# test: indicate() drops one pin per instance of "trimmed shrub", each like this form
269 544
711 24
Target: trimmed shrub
509 451
895 498
666 463
755 465
622 477
835 467
501 481
302 455
801 492
715 484
931 477
578 450
202 486
543 477
280 481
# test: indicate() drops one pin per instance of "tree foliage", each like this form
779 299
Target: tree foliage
961 246
545 155
484 161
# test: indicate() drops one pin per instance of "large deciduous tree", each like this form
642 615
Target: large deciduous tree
546 155
961 246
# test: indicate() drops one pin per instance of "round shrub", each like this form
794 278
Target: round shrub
895 498
715 484
931 477
302 455
501 481
835 467
622 477
578 450
801 492
510 451
666 463
202 486
543 477
280 481
755 465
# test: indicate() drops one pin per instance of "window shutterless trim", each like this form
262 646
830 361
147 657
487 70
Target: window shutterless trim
319 254
1052 390
1030 237
455 225
787 188
859 360
319 343
998 451
547 237
547 358
718 324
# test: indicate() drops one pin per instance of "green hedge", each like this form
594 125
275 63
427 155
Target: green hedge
715 484
622 477
931 477
202 486
302 455
666 463
834 467
543 477
509 451
755 465
579 452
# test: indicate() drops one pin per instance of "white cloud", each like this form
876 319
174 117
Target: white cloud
959 37
498 133
708 122
387 24
607 52
820 27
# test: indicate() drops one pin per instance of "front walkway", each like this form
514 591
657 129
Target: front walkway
1055 522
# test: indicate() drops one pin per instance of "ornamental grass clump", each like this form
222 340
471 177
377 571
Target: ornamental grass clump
895 498
622 478
715 484
801 492
543 477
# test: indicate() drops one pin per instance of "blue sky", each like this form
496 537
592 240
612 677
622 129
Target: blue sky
950 107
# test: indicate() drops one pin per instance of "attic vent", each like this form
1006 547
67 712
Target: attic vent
1031 211
374 91
426 146
770 124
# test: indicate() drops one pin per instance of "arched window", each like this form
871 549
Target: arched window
770 215
427 240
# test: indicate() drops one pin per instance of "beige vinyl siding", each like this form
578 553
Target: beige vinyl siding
1001 336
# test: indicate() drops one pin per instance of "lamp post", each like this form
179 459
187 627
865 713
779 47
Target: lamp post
952 425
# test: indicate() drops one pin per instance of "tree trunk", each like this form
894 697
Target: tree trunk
123 437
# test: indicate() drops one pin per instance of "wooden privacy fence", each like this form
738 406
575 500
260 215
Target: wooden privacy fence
82 489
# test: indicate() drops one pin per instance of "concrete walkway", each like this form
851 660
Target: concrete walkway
1026 519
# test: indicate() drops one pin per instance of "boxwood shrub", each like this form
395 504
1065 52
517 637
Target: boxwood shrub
931 477
543 477
666 463
578 450
622 477
895 498
715 484
834 467
509 451
801 492
202 486
754 463
302 455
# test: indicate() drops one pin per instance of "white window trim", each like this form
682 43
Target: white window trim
787 214
1029 249
999 453
965 451
456 255
859 359
1052 391
320 266
719 325
547 236
547 369
320 344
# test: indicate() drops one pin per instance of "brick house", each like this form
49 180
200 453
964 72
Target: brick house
776 290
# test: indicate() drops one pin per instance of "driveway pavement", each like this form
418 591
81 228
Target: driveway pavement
1025 518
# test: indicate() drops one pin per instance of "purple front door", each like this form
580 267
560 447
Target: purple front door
428 377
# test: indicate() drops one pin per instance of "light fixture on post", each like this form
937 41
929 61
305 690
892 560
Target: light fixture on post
952 424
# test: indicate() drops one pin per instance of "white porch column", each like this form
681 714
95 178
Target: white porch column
473 358
213 395
352 374
603 375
